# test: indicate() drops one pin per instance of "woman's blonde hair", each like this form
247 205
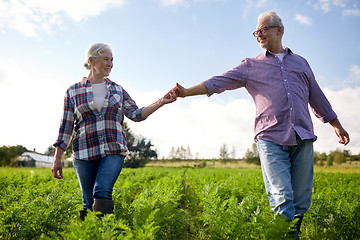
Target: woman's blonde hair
94 51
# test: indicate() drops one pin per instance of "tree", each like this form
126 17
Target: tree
172 154
224 153
329 160
50 150
322 159
140 150
8 154
316 157
252 155
233 153
339 158
180 153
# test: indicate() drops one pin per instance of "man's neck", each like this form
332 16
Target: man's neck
277 50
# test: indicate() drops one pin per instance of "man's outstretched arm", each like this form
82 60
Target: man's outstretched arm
180 91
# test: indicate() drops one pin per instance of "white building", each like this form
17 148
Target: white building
31 159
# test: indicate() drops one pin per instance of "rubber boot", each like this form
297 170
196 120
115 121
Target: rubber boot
104 206
83 214
293 234
298 223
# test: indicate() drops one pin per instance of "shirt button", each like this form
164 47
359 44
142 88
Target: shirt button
291 109
288 93
285 80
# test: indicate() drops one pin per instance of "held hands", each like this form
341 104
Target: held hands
178 91
168 98
173 94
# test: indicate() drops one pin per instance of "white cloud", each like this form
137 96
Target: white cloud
345 102
198 122
327 5
168 3
33 16
250 5
31 104
303 19
351 12
354 75
176 3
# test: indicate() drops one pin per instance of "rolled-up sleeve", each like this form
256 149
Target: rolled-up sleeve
230 80
131 110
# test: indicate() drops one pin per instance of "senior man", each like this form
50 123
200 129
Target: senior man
282 86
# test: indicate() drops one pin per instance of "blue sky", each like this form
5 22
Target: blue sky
157 43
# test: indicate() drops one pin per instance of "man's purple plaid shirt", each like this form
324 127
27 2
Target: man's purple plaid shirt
97 133
282 91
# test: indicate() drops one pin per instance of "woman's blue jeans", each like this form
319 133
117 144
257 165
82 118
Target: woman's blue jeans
288 176
97 177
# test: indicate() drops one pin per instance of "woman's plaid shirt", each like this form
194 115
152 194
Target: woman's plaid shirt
96 133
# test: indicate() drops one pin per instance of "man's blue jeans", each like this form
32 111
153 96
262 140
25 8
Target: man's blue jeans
97 177
288 176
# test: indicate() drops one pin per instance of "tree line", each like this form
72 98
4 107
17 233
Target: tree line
142 151
251 155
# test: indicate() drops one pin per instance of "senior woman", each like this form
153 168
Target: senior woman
94 111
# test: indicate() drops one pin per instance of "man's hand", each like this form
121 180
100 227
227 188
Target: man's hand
343 135
178 90
340 132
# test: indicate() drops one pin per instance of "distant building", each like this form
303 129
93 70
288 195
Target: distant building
31 159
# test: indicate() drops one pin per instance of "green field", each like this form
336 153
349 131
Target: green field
172 203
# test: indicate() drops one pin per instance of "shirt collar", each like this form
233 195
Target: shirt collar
87 82
267 52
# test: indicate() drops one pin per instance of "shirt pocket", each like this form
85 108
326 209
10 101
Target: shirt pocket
115 101
83 112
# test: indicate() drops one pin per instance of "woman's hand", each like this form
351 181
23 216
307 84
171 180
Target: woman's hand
56 168
168 98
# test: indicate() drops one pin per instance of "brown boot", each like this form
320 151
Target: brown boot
104 206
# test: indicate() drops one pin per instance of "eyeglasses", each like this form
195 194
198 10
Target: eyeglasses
262 30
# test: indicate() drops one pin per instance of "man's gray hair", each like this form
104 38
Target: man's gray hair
274 19
94 51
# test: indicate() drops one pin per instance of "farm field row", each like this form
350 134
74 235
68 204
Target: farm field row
172 203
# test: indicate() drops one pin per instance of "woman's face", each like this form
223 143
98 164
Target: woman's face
103 64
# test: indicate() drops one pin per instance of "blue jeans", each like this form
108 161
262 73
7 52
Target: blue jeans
97 177
288 176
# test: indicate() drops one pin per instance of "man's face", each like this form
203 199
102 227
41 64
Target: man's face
268 38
